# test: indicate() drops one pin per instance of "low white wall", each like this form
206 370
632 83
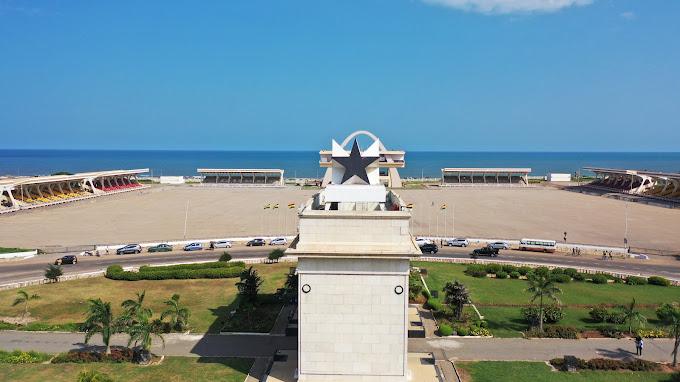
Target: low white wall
14 255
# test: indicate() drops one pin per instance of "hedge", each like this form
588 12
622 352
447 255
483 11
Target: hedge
116 272
658 280
599 279
118 355
502 275
565 332
634 280
211 265
606 364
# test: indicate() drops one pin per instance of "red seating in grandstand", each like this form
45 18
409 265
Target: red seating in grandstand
121 187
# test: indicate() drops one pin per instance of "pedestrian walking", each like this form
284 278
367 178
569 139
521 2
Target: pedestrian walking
638 345
641 345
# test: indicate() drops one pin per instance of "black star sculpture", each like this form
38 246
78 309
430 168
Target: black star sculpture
355 164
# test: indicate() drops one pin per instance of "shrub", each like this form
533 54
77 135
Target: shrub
514 275
22 357
634 280
658 280
560 278
579 277
542 271
502 275
599 279
225 257
610 331
477 331
276 254
426 294
524 270
445 330
555 331
434 305
606 364
570 272
557 271
551 314
476 270
675 377
509 268
118 355
599 313
462 331
494 268
616 317
93 376
651 333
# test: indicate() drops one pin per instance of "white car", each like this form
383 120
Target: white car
422 241
278 241
220 244
457 242
499 245
193 247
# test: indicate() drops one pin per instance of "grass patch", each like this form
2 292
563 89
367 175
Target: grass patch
500 300
65 303
540 372
13 250
172 369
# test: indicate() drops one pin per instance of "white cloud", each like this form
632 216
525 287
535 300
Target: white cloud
509 6
628 15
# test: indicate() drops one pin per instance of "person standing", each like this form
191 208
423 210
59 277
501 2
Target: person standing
641 344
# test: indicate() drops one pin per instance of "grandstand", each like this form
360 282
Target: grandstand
242 177
656 185
485 177
23 193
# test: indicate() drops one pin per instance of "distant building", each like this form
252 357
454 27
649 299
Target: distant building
485 176
555 177
254 177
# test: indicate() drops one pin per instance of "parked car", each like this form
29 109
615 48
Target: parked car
220 244
457 243
128 249
161 248
68 259
430 248
257 242
422 241
499 245
484 251
193 247
278 241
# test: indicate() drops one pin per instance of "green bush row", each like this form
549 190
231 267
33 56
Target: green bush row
555 331
605 364
116 272
210 265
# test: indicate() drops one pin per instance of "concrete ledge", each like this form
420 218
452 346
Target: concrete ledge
23 255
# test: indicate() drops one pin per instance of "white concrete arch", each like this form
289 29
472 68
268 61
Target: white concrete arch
362 132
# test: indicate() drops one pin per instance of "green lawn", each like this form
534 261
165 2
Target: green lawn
500 300
175 369
65 303
12 250
540 372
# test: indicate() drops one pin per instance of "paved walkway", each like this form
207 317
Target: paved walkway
255 346
519 349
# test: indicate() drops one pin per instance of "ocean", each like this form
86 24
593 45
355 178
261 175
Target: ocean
305 163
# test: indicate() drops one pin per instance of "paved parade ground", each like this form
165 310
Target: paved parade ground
158 214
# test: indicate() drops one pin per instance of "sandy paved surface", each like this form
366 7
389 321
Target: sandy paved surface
158 214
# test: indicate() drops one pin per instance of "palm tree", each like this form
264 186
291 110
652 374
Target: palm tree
179 315
23 298
133 309
143 331
456 297
100 320
542 288
631 314
669 315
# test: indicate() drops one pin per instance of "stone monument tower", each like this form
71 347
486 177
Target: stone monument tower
353 251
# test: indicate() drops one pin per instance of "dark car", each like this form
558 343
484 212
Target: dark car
430 248
161 248
485 251
256 243
68 259
128 249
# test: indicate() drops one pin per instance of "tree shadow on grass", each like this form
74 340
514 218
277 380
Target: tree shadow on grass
242 365
222 314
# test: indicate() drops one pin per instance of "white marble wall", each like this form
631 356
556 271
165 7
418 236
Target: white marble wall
352 324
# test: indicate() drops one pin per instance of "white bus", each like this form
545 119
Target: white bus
537 245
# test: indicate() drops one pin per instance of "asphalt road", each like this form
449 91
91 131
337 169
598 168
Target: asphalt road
33 268
30 269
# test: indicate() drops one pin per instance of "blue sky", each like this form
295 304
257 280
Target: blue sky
510 75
